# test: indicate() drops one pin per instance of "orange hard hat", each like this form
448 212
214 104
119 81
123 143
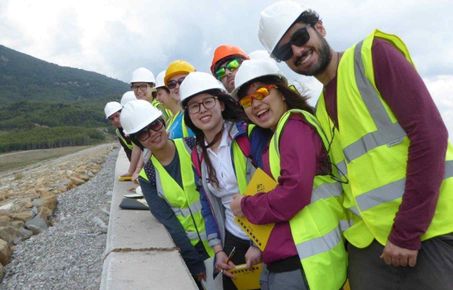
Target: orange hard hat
224 51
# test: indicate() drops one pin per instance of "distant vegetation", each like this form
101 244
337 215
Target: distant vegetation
44 105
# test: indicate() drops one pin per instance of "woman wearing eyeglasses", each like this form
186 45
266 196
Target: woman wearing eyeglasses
226 60
174 76
170 187
305 249
220 155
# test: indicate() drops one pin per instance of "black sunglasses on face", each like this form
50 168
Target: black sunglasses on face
172 84
144 133
285 51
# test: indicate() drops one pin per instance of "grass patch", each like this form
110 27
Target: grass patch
16 160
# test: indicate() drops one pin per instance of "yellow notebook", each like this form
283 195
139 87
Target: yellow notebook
259 234
246 279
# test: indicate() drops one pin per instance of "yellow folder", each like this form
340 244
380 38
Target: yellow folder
259 234
246 279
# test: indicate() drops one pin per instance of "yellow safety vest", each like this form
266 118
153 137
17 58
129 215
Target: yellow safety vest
128 144
185 202
371 149
185 129
316 229
166 113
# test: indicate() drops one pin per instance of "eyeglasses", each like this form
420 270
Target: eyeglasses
207 103
141 86
172 84
259 94
285 51
144 133
231 65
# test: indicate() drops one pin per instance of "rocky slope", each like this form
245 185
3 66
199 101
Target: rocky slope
29 198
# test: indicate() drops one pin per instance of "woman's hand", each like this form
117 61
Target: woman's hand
236 205
221 263
252 256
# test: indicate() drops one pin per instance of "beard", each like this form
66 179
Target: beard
323 61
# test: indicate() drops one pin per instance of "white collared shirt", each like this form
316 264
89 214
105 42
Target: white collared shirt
228 186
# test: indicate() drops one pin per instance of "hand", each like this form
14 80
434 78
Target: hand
201 276
135 176
252 256
399 257
221 265
236 205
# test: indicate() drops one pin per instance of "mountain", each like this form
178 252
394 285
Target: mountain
44 105
25 78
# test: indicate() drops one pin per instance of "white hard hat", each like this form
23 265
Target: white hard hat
275 20
197 82
127 97
111 108
142 75
137 114
160 79
252 69
260 54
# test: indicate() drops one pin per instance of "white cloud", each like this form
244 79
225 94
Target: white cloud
114 37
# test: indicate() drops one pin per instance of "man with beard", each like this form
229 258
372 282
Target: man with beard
389 145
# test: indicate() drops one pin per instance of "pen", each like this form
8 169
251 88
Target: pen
229 257
231 254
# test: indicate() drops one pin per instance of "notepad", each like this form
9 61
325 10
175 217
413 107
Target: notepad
246 279
259 234
125 178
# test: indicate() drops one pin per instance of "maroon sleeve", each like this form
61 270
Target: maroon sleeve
405 92
299 147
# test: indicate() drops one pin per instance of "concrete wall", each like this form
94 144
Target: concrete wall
140 253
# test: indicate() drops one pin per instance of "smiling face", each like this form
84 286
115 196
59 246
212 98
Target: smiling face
153 140
311 58
209 116
267 112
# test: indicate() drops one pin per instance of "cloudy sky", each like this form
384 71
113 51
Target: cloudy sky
114 37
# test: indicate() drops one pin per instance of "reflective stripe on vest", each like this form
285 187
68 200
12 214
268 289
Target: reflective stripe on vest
316 228
372 148
128 144
319 245
184 201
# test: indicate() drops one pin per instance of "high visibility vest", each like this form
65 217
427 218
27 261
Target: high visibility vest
371 149
316 229
185 202
129 144
184 128
166 113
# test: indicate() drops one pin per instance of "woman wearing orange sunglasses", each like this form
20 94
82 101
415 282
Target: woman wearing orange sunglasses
305 249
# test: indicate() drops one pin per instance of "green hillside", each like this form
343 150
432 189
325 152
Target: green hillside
44 105
24 78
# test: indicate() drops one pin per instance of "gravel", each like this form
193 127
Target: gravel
69 254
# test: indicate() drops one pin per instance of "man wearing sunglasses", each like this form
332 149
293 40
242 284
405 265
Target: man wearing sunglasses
226 60
174 75
388 138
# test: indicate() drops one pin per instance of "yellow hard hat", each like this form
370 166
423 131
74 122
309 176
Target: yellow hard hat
177 67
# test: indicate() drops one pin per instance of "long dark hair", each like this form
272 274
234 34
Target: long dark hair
293 99
232 112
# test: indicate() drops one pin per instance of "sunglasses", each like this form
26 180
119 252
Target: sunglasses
172 84
285 51
144 133
230 65
259 94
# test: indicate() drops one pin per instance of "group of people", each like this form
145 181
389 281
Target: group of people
364 180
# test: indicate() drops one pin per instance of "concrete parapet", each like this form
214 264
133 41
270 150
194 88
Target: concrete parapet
140 253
